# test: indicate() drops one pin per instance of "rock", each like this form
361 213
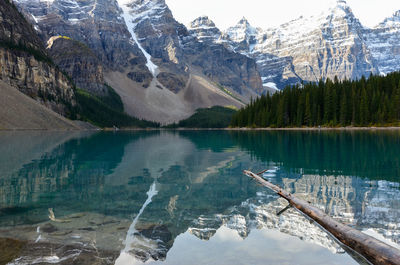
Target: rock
79 62
48 228
11 249
25 64
172 81
384 43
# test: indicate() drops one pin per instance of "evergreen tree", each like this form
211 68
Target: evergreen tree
375 100
343 109
364 108
307 115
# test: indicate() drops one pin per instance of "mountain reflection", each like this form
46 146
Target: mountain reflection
96 186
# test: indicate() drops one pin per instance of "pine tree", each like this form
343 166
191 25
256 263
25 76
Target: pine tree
280 115
328 103
300 112
343 109
364 108
307 114
362 102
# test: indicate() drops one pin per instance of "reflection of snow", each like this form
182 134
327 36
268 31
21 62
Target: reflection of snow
47 259
270 173
372 232
263 246
124 257
336 195
261 214
39 235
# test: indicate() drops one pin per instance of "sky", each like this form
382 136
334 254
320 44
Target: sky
272 13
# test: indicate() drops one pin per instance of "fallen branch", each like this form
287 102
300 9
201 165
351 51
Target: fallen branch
373 250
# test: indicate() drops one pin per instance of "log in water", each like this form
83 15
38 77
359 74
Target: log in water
373 250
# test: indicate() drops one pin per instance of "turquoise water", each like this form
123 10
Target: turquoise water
169 197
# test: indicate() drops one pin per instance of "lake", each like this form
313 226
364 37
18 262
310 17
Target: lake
166 197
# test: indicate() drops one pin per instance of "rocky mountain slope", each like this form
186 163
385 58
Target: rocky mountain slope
20 112
77 60
384 43
333 43
25 65
161 71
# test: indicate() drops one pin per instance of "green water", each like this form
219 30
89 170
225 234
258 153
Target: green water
181 198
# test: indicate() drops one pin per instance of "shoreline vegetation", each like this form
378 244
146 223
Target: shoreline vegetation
371 102
372 128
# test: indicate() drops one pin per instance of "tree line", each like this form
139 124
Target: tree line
214 117
365 102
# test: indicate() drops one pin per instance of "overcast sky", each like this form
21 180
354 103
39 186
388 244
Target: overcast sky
270 13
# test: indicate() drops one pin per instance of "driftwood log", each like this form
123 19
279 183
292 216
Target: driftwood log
370 248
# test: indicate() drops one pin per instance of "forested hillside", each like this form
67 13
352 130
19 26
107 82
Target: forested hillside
215 117
365 102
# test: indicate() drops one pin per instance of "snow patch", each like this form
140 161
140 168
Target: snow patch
372 232
129 21
271 85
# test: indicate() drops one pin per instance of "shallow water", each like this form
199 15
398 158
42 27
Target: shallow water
181 197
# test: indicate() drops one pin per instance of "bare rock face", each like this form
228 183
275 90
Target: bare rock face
220 62
79 62
226 67
25 65
97 24
157 32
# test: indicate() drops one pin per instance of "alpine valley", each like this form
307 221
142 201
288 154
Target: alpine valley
163 71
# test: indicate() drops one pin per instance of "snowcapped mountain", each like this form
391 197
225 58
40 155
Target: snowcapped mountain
333 43
204 29
243 35
384 43
161 72
164 71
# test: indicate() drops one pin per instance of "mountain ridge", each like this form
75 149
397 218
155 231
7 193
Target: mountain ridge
333 43
147 56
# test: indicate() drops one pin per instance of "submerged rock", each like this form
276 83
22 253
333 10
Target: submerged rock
10 249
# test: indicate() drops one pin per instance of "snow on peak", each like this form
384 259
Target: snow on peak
202 22
30 1
144 9
204 29
243 21
243 31
338 4
391 22
340 7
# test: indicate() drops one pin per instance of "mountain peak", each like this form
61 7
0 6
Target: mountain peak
393 21
204 29
340 9
201 22
243 21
